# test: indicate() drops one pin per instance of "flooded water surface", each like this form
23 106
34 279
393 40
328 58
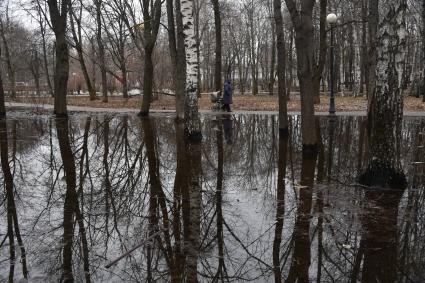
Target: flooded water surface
119 199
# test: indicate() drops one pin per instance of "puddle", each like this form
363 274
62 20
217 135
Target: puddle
119 199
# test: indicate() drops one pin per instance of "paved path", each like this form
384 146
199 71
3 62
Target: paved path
208 112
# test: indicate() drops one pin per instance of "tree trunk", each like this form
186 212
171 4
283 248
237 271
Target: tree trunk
45 61
192 121
385 112
363 53
152 17
124 81
61 73
304 42
2 104
102 63
273 59
217 25
373 20
318 73
76 34
198 42
423 50
181 62
177 53
35 70
10 68
290 80
281 66
147 83
59 19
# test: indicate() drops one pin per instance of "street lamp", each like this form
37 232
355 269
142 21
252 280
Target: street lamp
331 19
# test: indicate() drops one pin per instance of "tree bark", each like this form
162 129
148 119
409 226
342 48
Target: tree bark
363 53
76 34
152 17
217 25
45 61
2 104
273 59
319 67
102 63
304 42
192 121
423 50
385 111
10 67
176 46
373 20
281 66
148 77
59 20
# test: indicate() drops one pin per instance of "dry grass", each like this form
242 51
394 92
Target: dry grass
246 102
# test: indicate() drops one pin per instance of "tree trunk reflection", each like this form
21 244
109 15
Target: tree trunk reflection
280 205
380 236
70 204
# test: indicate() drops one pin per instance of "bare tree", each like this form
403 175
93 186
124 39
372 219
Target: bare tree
423 50
385 111
177 53
217 25
2 105
101 49
192 121
76 30
8 57
304 42
281 65
152 17
58 17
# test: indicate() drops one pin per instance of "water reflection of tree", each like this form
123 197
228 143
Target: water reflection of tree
71 206
380 236
13 229
247 248
280 206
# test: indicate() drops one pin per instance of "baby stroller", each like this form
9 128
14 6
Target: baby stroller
217 101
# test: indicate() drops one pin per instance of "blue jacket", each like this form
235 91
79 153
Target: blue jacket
227 97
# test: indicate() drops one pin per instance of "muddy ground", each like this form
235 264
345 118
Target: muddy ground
246 102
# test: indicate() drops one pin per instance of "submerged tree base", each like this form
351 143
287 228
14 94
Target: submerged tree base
310 151
283 132
194 137
60 115
377 175
143 114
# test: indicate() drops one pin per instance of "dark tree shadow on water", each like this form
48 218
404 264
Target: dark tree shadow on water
13 229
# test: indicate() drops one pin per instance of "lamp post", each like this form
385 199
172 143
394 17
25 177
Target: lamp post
331 19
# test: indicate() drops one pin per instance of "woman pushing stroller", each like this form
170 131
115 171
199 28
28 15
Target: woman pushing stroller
227 96
223 102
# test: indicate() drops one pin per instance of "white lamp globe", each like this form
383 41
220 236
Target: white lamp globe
331 18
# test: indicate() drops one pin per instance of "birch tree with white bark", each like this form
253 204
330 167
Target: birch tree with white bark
385 112
192 121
